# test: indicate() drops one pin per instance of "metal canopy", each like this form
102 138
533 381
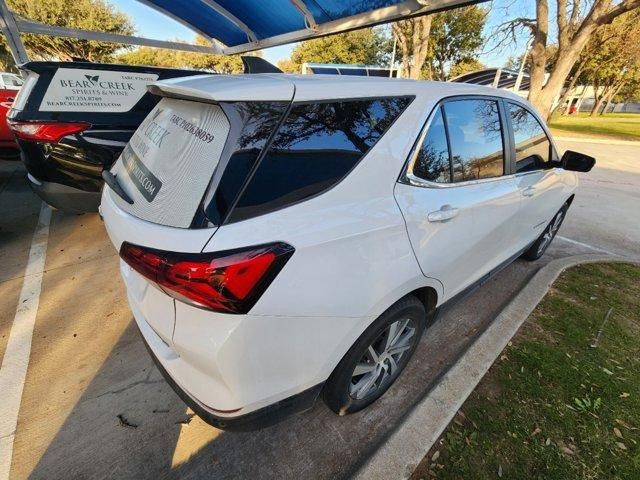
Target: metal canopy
496 77
245 25
237 26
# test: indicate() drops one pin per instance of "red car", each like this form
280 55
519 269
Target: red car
10 83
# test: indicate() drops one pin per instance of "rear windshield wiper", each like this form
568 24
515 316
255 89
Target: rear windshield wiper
111 180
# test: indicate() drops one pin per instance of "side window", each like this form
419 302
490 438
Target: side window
533 148
475 136
432 162
258 121
316 146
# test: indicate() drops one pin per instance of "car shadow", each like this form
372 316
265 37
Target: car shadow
128 423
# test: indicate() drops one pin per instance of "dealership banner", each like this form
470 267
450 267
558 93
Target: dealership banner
80 90
169 161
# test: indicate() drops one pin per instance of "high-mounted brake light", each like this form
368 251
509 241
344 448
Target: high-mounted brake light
231 281
48 132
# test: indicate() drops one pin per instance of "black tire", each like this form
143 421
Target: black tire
537 249
340 392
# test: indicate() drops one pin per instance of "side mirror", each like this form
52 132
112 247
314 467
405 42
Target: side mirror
577 162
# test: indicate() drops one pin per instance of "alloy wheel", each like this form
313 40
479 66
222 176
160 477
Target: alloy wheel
382 359
551 231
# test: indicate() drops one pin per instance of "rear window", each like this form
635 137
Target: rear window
168 163
317 145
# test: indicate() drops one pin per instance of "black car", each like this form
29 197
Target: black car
71 121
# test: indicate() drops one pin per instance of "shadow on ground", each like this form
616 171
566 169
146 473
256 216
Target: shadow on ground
127 423
94 406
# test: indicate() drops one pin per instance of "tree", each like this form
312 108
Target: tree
7 63
367 46
514 61
433 44
412 36
287 66
178 59
613 58
576 22
630 91
455 39
97 15
465 66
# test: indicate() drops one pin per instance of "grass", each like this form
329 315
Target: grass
553 406
622 126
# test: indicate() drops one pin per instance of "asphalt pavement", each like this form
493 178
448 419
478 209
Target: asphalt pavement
94 406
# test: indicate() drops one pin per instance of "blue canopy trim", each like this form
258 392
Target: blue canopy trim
243 25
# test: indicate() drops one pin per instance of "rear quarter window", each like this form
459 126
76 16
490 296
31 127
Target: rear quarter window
317 145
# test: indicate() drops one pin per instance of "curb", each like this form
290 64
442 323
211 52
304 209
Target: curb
409 443
596 140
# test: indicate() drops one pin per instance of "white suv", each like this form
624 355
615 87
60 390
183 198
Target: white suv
286 236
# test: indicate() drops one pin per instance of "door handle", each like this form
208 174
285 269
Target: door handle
529 191
446 212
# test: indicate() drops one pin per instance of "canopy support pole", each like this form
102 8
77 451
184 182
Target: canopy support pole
12 34
27 26
231 17
496 79
516 87
306 13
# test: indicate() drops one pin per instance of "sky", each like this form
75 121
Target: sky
152 24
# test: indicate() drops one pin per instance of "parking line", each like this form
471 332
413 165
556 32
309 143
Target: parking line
586 245
16 356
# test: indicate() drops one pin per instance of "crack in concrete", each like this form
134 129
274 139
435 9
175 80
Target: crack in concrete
127 387
147 381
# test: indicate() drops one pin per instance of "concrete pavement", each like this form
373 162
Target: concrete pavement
606 210
95 407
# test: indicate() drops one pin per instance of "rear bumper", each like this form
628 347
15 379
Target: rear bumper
5 143
65 197
254 420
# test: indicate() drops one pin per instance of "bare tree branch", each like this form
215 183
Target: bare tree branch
616 11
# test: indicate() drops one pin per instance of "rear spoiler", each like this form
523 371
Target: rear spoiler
227 88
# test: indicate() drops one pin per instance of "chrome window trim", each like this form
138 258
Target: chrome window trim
416 181
409 178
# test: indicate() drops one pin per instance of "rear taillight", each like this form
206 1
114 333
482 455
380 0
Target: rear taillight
48 132
230 281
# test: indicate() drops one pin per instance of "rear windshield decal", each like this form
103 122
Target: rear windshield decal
170 159
146 182
80 90
191 128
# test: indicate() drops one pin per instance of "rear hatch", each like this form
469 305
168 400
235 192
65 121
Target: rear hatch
181 171
189 157
112 100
